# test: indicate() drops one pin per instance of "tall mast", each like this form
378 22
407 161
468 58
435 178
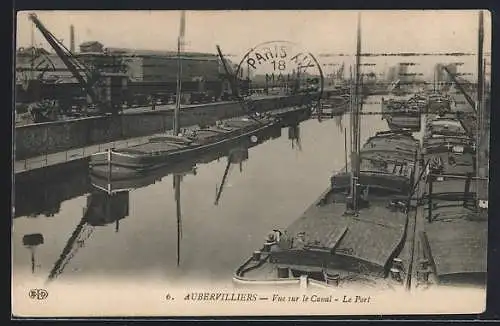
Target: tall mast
180 44
355 133
480 80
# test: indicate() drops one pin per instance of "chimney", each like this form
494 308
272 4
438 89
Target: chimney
72 38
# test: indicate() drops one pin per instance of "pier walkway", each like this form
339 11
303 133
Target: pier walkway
73 154
171 106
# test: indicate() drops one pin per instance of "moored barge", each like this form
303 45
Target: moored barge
402 113
123 175
330 246
453 240
166 150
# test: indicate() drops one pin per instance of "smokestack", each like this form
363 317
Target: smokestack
72 38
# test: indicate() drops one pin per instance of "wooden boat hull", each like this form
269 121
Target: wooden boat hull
126 179
126 173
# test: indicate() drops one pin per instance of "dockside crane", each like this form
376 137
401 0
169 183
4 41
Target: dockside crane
92 81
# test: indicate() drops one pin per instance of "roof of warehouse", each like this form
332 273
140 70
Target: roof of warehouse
140 52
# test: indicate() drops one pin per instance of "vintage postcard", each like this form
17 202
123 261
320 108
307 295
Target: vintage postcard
250 163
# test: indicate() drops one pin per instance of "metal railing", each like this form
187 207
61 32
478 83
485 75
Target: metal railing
73 154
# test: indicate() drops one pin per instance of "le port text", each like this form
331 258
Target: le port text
316 298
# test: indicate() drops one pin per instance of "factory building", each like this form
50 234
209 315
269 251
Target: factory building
140 65
158 66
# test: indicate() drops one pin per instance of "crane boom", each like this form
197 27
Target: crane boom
460 88
68 59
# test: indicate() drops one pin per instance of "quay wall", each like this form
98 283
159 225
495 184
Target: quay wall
51 137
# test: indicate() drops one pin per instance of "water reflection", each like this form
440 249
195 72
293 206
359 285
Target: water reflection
127 227
68 182
236 156
102 209
31 241
108 199
32 200
177 187
294 136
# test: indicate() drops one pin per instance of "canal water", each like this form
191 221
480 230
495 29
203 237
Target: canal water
277 183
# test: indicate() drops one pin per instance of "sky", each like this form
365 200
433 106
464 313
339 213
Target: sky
236 32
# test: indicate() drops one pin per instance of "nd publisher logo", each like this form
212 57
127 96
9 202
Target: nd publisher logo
38 294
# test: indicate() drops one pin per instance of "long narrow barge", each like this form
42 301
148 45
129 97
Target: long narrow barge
454 236
127 178
171 149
